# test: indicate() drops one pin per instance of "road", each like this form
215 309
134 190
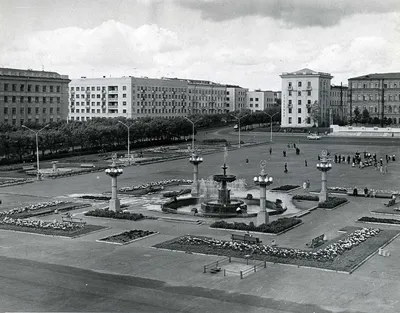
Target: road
33 286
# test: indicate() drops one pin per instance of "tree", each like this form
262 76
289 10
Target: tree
357 115
365 116
315 113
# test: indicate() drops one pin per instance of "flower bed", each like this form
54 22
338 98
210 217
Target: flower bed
76 172
128 236
65 226
116 215
89 197
305 197
345 254
32 207
379 220
14 181
332 202
161 183
285 187
274 227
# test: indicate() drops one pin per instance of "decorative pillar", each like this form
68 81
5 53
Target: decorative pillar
195 160
324 167
263 180
114 172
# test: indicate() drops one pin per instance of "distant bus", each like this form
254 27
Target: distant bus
236 127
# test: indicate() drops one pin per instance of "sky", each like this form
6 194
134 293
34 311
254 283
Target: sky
242 42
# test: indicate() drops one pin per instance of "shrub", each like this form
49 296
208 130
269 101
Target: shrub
306 197
378 220
95 197
273 227
332 202
116 215
286 187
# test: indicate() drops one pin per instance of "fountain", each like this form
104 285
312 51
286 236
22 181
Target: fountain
224 206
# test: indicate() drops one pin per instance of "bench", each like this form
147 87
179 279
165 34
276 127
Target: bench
316 242
245 238
87 165
73 220
390 203
215 270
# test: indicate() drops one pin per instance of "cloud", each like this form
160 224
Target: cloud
293 13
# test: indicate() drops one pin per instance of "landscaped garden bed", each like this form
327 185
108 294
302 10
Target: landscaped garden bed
274 227
305 197
156 186
116 215
342 255
93 197
332 202
388 221
128 236
52 228
285 188
13 181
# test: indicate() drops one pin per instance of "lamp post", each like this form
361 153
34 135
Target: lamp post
36 132
270 116
195 160
129 152
263 180
324 167
238 119
193 123
113 171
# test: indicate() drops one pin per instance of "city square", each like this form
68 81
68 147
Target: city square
278 287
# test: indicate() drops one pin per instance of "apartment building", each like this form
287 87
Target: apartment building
378 93
338 104
259 100
206 97
235 98
305 98
32 96
277 98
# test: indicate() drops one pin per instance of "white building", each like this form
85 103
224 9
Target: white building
235 98
259 100
305 98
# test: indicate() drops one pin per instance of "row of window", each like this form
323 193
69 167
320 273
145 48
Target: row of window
374 85
299 102
29 99
299 110
300 84
96 88
307 121
124 111
37 121
30 110
98 96
30 88
299 94
387 109
378 97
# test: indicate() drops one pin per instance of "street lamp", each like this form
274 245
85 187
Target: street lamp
36 132
128 127
238 119
113 171
193 129
271 116
195 160
324 167
263 180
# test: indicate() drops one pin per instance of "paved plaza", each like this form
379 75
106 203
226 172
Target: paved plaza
58 274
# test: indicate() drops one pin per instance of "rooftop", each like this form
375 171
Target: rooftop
377 76
305 71
30 73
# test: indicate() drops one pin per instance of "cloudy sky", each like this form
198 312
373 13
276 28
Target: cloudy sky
244 42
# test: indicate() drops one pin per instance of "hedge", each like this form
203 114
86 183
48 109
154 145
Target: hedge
273 227
378 220
116 215
332 202
286 187
306 197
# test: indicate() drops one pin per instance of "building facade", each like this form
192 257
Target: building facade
259 100
32 96
206 97
277 98
236 98
338 104
379 94
305 98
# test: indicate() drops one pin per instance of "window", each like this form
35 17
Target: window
308 84
309 102
51 110
299 110
5 87
21 88
14 87
299 84
123 111
308 110
29 99
5 110
256 99
36 88
51 99
251 99
290 101
36 110
309 93
290 120
51 88
58 99
299 102
77 88
290 84
93 89
290 93
14 99
299 93
290 110
44 99
14 110
299 120
124 95
123 87
44 89
44 110
29 110
58 110
5 99
21 99
123 102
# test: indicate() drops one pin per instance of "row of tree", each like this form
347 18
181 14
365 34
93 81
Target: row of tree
103 134
365 118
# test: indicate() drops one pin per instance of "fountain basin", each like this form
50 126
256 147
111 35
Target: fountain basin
224 178
218 209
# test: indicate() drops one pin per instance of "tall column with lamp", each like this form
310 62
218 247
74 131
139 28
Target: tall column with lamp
193 123
195 160
271 116
324 166
238 119
129 141
114 172
36 132
263 180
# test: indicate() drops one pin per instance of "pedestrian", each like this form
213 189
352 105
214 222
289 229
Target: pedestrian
348 159
381 162
270 150
394 157
284 153
286 170
247 161
335 158
305 163
381 169
365 192
308 184
386 169
355 192
305 185
294 145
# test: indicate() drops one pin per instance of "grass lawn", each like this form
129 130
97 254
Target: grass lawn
53 232
346 262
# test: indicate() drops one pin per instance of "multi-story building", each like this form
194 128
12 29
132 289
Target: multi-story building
305 98
277 98
135 97
338 104
379 94
259 100
235 98
32 96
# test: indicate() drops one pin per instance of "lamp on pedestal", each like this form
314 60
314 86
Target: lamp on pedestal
195 160
113 171
324 166
263 180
